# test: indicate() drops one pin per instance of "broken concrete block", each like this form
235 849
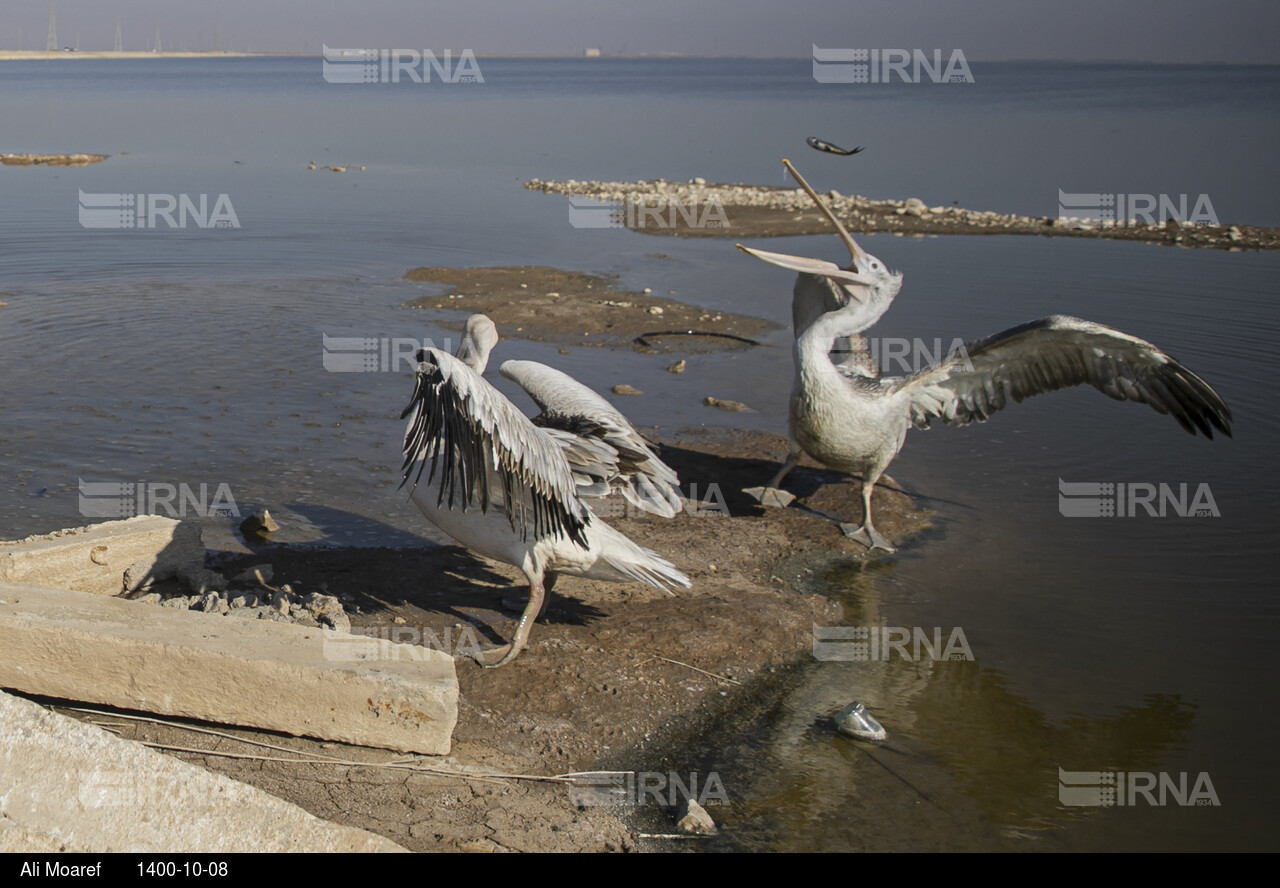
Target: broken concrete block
70 786
96 558
255 673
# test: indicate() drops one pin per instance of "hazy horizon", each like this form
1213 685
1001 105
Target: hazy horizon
1173 32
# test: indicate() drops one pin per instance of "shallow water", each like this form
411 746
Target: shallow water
196 356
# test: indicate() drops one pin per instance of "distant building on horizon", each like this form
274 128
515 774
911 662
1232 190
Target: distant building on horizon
592 54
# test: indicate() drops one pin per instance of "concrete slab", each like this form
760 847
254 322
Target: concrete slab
95 558
69 786
277 676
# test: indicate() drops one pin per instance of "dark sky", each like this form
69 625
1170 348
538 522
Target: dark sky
1189 31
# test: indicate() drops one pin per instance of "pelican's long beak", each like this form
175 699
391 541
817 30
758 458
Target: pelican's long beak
856 253
810 266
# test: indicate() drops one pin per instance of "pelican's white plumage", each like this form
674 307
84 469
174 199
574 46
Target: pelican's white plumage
606 450
850 418
487 476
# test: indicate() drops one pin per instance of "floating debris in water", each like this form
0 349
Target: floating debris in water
855 721
821 145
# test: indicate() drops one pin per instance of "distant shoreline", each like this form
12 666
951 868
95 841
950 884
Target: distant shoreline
39 54
19 55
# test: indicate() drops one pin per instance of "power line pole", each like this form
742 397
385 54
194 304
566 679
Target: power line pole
119 38
157 49
52 42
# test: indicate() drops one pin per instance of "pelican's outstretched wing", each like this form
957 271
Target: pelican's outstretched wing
1055 353
634 470
473 437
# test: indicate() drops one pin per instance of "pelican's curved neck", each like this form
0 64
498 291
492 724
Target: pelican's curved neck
851 320
474 353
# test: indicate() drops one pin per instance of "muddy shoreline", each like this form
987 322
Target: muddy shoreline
726 210
615 677
572 308
67 160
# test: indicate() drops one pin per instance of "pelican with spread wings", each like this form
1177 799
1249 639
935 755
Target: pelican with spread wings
492 480
847 416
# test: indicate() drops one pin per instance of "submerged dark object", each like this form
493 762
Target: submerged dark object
821 145
642 339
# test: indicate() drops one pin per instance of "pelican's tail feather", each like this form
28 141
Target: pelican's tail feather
621 559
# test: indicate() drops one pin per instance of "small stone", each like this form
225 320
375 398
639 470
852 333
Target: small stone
247 599
280 602
149 598
914 206
259 524
734 406
624 389
698 180
677 367
399 621
336 620
647 290
693 819
564 351
656 310
178 601
209 603
553 295
1233 234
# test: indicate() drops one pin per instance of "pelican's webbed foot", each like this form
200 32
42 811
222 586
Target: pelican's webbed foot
868 536
495 656
774 497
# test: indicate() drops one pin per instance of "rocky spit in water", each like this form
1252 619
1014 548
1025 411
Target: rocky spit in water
698 209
